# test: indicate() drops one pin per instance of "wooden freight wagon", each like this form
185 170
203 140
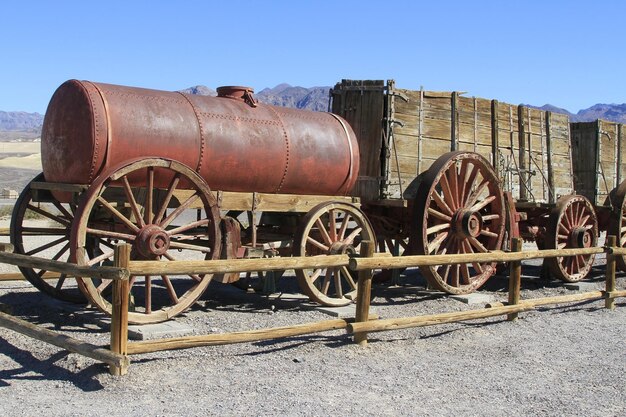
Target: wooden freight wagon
428 158
599 161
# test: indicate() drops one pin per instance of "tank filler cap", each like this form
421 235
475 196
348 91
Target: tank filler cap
245 94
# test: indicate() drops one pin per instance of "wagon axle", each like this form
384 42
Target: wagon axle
467 223
152 241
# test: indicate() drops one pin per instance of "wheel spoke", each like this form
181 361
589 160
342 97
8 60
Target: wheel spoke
344 227
149 196
350 239
113 235
442 204
60 282
49 215
467 188
479 206
463 181
326 283
317 244
332 228
476 193
452 182
117 214
48 231
489 217
166 201
436 242
173 215
180 245
476 243
169 257
63 210
100 258
170 289
437 228
322 229
186 227
447 193
488 233
439 215
346 273
338 288
46 246
131 199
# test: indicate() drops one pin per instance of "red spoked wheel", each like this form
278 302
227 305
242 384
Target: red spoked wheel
459 209
331 229
617 224
150 205
572 224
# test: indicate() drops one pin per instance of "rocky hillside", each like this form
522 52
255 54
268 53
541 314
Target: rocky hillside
19 121
611 112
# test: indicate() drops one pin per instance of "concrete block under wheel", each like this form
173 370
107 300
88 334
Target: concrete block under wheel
581 286
345 312
158 330
473 298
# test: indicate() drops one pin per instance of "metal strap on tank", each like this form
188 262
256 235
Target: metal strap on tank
200 127
92 172
345 129
287 147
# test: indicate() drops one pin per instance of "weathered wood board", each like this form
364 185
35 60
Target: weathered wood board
599 158
529 148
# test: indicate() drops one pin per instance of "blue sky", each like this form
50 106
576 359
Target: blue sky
567 53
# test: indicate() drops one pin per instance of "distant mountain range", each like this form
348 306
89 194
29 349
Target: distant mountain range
315 98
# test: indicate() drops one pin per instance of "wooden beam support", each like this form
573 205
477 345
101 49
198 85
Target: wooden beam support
515 278
64 342
357 264
102 272
119 310
364 291
609 302
434 319
235 337
236 265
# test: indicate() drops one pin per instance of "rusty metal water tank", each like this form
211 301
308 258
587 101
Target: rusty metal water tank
233 142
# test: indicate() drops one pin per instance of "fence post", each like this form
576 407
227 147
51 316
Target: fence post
609 301
515 277
364 292
119 310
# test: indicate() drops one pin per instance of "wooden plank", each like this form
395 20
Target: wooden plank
364 290
356 264
119 308
434 319
235 337
102 272
64 342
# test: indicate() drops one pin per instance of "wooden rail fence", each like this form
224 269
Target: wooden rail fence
120 348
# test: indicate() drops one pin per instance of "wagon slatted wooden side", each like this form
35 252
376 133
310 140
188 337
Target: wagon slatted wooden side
599 160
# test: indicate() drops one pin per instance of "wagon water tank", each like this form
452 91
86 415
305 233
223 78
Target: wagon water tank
232 141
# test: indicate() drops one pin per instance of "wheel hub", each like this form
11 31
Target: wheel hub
581 238
152 241
339 248
467 223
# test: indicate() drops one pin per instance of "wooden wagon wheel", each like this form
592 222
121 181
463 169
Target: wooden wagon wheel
459 209
127 205
42 229
617 223
572 224
331 229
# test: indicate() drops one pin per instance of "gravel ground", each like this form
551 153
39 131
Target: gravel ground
554 361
